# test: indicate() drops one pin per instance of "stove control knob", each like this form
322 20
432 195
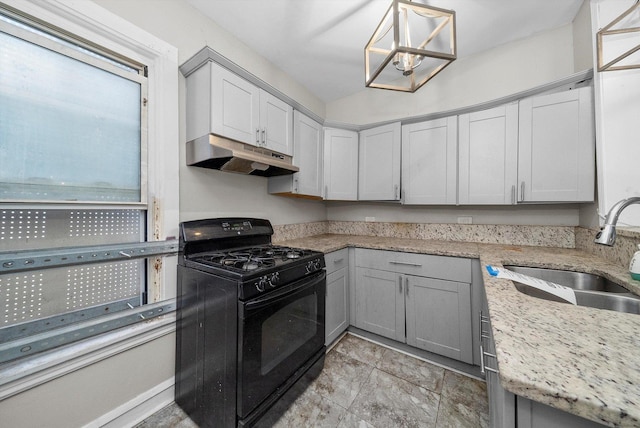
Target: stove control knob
260 285
313 265
273 281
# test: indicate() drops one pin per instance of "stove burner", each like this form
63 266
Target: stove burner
251 265
252 259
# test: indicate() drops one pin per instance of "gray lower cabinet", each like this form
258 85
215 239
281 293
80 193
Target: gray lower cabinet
337 299
380 303
532 414
439 317
507 410
502 403
419 299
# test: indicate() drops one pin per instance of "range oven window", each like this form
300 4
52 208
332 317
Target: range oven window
278 333
288 330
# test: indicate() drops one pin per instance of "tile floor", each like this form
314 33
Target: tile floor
367 385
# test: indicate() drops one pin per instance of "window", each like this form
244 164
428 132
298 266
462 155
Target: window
76 175
71 121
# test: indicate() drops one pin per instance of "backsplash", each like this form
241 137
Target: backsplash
545 236
626 244
286 232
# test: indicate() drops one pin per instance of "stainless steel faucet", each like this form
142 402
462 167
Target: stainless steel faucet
607 234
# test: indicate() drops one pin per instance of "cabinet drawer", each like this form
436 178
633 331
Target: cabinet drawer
439 267
336 260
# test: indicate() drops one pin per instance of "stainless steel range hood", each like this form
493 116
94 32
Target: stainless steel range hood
214 152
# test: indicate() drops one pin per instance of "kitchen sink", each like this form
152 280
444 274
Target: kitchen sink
591 290
575 280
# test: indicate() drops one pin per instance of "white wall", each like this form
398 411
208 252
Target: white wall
582 40
486 76
535 215
209 193
617 99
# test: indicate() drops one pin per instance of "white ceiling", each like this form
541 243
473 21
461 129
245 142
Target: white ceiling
320 43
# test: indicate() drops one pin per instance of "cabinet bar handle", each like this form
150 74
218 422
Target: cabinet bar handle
338 260
326 192
393 262
264 136
522 191
486 354
483 367
513 194
395 192
490 369
400 284
406 286
258 136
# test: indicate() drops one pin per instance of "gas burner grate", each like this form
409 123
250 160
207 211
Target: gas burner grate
251 259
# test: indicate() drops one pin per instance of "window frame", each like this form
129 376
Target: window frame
98 27
91 22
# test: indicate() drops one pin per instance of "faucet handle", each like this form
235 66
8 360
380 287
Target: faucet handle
606 235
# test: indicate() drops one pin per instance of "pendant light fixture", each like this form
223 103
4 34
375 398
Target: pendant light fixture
621 33
412 44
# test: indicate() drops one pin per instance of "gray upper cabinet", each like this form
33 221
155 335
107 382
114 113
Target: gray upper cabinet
556 154
276 124
379 163
541 149
488 159
222 103
308 156
430 162
340 164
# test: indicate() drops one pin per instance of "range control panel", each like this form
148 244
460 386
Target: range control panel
241 226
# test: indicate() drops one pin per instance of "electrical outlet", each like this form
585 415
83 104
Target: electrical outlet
369 219
465 220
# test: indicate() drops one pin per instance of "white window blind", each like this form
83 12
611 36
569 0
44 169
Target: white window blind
73 173
70 122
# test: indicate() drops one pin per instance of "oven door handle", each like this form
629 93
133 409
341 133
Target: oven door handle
286 292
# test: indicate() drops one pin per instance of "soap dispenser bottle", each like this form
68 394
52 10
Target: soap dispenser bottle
634 266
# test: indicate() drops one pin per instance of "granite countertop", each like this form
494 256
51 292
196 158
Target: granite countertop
582 360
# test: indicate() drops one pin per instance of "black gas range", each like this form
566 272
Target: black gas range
241 249
250 320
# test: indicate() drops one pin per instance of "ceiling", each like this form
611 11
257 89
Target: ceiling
320 43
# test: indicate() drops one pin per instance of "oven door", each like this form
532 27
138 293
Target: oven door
278 333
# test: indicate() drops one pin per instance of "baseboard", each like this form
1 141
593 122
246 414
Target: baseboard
138 409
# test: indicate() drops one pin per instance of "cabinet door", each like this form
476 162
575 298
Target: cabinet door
488 144
556 160
276 124
379 163
502 403
340 164
337 305
380 303
235 106
307 155
430 162
439 317
532 414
